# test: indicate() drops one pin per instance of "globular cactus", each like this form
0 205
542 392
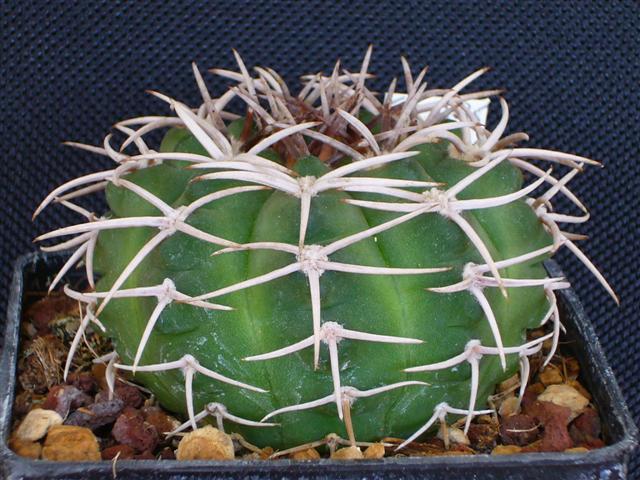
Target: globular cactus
330 261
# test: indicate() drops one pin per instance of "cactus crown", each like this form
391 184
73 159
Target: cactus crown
395 236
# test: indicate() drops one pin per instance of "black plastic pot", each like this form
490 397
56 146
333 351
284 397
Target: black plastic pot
32 272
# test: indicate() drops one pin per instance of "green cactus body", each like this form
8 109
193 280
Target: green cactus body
278 313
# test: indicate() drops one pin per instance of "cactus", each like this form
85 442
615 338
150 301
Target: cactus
327 262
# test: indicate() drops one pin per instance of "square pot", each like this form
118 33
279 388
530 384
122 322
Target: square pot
34 270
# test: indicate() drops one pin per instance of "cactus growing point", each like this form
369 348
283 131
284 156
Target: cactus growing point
326 262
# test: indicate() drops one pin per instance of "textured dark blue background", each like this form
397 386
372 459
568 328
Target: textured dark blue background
69 70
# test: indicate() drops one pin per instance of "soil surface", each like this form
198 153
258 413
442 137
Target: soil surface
80 419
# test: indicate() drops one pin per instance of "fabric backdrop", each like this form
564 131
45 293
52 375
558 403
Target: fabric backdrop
69 70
